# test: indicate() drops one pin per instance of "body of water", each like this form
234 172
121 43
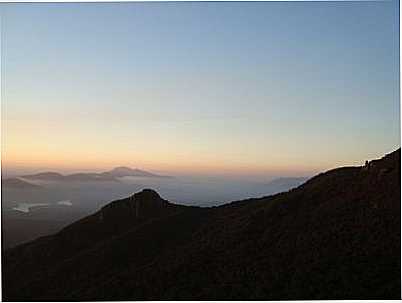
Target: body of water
26 207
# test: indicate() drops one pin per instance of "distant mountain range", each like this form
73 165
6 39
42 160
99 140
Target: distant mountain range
337 236
123 171
17 183
111 175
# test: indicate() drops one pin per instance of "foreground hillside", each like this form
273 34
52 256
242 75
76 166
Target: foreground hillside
337 236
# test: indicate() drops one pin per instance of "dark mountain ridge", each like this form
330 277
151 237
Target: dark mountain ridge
337 236
285 183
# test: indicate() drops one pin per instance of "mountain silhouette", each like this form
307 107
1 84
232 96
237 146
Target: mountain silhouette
337 236
16 183
111 175
123 171
285 183
46 176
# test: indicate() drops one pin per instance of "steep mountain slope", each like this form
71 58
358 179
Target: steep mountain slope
335 237
285 183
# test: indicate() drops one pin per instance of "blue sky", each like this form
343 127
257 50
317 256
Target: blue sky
243 88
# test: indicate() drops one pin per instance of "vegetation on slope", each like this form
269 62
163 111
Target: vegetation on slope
335 237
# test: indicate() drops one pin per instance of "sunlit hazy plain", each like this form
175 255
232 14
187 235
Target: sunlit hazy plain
199 88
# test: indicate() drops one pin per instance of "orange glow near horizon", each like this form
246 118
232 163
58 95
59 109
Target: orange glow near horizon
166 163
65 148
172 163
217 168
248 99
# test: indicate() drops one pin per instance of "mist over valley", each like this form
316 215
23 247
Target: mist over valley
44 202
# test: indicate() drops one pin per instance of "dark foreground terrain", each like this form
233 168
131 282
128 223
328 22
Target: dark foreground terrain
337 236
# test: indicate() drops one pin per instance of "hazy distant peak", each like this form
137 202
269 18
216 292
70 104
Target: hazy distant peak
112 175
17 183
53 176
298 234
45 176
124 171
123 168
48 173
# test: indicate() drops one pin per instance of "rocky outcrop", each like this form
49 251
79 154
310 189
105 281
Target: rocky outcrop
384 164
142 205
337 236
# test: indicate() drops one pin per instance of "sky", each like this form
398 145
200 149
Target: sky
285 88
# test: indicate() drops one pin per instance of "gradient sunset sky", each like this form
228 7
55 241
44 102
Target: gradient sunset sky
237 88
